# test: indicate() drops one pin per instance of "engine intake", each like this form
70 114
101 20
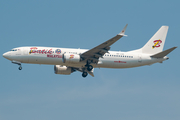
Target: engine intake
58 69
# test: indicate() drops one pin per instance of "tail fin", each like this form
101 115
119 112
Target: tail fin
156 43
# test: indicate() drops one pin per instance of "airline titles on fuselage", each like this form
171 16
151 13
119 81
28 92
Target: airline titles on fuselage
47 51
54 56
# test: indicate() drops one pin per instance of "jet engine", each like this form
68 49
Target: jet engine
71 58
58 69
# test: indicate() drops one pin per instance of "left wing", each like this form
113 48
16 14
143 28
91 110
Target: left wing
93 54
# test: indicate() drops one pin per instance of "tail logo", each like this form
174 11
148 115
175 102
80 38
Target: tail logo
156 43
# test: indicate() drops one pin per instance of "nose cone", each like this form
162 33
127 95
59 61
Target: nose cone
6 55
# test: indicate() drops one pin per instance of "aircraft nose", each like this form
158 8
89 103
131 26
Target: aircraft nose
5 55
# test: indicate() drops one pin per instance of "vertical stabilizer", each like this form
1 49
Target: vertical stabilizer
157 41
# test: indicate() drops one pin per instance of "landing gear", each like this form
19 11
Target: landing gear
18 63
89 67
84 74
20 68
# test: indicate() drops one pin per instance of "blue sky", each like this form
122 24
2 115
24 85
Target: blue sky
36 93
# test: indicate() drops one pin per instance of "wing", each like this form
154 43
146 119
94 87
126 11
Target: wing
92 55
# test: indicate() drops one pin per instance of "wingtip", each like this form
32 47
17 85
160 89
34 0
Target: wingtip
174 47
122 33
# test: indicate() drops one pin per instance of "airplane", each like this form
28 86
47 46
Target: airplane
67 60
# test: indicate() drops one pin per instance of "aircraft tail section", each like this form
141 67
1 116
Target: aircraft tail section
157 41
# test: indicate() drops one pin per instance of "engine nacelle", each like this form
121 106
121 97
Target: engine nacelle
71 58
58 69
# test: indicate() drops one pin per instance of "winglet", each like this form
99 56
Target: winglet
122 33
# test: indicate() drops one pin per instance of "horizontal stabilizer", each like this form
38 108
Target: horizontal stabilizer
163 53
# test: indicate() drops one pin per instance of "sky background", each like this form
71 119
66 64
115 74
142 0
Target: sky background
36 93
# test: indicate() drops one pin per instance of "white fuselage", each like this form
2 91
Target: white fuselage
67 61
50 56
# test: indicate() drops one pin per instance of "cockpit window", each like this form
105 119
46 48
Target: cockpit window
13 50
